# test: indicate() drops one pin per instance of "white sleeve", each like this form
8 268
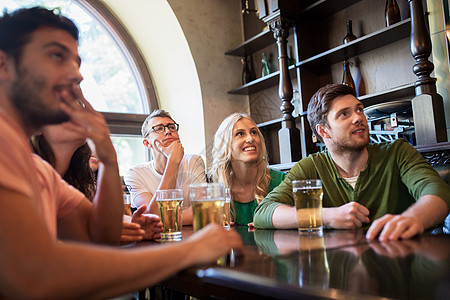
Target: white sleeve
137 187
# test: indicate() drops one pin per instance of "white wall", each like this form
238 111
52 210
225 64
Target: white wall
183 43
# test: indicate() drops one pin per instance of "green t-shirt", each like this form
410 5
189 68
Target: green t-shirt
244 211
395 176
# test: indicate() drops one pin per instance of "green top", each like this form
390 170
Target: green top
395 175
244 211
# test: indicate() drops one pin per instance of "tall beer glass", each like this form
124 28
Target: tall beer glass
170 203
308 202
207 200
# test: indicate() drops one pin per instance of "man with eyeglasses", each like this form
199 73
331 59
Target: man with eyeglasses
169 169
46 246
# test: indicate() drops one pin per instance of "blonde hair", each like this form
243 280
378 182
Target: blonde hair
221 170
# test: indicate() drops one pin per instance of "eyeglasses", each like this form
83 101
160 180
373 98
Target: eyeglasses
160 128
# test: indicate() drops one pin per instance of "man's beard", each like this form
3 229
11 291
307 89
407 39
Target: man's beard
26 97
350 147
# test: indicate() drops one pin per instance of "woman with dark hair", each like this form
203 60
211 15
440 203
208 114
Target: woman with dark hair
69 154
77 172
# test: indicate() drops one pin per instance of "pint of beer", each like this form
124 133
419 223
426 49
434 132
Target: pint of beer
207 200
170 203
308 202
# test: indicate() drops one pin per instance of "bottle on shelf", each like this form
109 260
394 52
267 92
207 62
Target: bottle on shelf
246 74
270 62
265 69
291 59
347 78
392 12
296 103
350 36
251 66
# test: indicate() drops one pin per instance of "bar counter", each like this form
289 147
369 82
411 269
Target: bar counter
342 264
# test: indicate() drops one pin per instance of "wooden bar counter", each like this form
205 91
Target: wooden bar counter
342 264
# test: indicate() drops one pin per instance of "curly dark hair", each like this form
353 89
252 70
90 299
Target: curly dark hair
16 27
78 174
321 101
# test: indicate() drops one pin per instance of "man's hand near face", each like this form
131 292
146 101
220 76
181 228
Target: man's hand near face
174 150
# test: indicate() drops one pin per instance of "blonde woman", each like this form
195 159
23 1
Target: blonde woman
240 162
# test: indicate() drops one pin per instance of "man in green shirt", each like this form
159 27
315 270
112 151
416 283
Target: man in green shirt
388 186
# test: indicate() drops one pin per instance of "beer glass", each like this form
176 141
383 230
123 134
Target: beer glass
170 203
227 209
207 200
308 202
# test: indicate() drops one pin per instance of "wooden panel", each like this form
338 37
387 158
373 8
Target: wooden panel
364 44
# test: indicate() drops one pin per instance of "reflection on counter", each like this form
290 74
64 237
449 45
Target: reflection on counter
345 260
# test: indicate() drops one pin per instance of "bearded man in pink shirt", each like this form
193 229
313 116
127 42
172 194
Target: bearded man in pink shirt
39 78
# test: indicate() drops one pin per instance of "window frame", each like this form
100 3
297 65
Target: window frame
125 123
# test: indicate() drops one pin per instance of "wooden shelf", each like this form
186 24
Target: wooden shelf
367 100
389 95
262 83
359 46
322 9
268 123
258 42
434 147
316 10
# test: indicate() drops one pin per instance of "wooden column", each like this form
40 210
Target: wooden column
289 134
428 106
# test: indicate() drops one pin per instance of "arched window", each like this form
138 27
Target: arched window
116 78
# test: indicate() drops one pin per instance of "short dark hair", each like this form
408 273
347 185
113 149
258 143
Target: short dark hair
16 27
321 101
157 113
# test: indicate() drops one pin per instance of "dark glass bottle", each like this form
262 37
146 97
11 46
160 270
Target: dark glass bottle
251 66
391 12
246 74
347 76
350 36
270 63
291 59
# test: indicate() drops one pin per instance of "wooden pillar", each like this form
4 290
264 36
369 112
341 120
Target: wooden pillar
289 134
428 106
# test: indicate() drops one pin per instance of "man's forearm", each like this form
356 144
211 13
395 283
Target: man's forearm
285 217
429 210
105 222
168 182
169 178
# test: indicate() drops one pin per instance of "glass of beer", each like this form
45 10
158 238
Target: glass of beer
170 203
308 202
207 200
227 209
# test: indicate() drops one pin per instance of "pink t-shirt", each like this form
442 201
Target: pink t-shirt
27 174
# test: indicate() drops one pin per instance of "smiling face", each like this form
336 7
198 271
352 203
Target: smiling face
49 64
347 128
165 138
245 142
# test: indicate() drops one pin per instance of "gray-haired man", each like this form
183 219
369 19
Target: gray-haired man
169 169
